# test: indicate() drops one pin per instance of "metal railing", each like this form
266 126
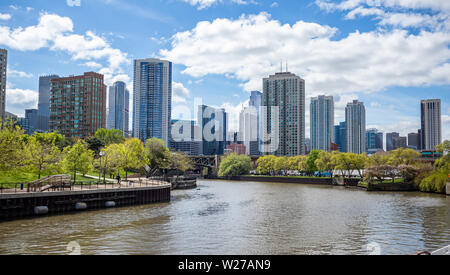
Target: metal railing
82 185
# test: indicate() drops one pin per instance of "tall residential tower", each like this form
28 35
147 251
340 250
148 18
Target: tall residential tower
44 102
152 99
119 107
322 122
431 124
3 67
285 92
355 118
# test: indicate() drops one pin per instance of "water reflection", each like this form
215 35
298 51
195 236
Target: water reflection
246 218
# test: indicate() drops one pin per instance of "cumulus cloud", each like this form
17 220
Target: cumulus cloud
5 16
251 47
17 100
18 74
203 4
179 92
73 3
56 33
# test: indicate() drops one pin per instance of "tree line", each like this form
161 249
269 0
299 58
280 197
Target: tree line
108 151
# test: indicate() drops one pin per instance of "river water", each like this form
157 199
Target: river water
246 218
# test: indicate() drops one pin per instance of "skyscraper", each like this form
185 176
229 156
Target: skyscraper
322 122
390 140
44 102
213 123
413 140
152 99
3 67
31 121
374 141
340 136
78 105
285 93
118 107
256 103
355 117
248 129
431 124
189 144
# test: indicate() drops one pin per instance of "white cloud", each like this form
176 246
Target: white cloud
73 3
17 100
56 33
180 93
203 4
18 74
274 5
251 47
5 16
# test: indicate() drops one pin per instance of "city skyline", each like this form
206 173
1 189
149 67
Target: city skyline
107 48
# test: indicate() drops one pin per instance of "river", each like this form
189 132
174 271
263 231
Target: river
222 217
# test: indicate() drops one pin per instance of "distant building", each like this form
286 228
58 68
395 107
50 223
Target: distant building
213 121
152 99
431 124
340 136
188 141
413 140
78 105
285 92
119 107
322 122
237 148
248 129
45 87
355 118
374 140
399 142
31 121
307 146
256 98
3 68
390 140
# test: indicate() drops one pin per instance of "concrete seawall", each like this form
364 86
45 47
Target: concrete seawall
319 181
16 206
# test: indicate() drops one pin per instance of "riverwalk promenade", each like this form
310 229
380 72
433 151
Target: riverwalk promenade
19 203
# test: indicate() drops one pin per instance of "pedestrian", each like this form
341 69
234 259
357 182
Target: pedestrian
118 179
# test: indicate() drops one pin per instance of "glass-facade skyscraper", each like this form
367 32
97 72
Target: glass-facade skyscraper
286 92
256 103
340 136
45 86
322 122
152 99
431 124
119 107
355 118
3 68
374 140
214 126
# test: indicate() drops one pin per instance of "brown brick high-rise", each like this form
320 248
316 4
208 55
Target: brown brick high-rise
78 105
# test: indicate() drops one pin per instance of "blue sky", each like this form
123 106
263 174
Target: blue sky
389 54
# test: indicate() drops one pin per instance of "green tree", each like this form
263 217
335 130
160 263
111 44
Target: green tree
157 155
311 161
78 159
180 162
281 164
294 162
95 144
133 155
109 136
41 155
403 156
266 165
377 159
325 162
444 162
235 165
11 146
114 159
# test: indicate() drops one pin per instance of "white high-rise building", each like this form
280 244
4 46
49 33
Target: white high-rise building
355 118
431 124
322 122
248 129
3 67
152 99
284 92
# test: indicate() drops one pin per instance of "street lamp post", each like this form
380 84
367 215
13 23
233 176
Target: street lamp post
100 169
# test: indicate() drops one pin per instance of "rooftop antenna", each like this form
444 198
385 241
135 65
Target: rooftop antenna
281 65
287 67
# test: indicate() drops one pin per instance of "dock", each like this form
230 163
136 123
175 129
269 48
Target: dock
17 204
